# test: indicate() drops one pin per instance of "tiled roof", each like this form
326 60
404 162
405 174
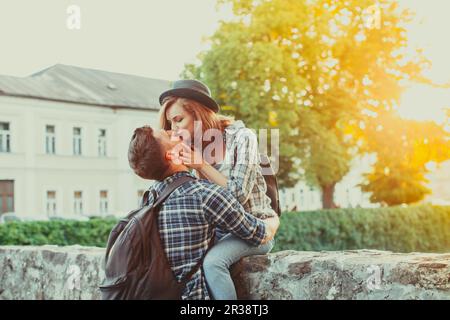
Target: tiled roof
87 86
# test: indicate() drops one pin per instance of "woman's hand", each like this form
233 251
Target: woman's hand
183 154
272 225
190 158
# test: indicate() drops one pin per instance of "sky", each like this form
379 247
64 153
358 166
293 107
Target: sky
155 38
143 37
430 31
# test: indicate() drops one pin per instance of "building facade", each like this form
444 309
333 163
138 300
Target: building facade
69 158
347 194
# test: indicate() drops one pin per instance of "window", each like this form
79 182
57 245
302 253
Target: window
5 137
77 141
51 203
103 202
78 202
50 139
102 143
140 194
6 196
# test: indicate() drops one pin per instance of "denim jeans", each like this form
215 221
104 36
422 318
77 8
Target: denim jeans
221 256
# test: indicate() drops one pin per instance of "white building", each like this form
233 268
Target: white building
439 179
64 135
347 194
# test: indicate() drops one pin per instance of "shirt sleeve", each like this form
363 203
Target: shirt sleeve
224 211
243 173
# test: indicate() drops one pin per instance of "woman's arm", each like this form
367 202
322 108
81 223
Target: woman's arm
243 173
193 159
212 174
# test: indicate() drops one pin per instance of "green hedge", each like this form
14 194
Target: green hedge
423 228
60 232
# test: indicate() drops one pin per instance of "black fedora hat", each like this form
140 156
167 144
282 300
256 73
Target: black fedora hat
191 89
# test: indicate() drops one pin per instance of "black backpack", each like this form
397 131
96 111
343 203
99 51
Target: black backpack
136 266
271 182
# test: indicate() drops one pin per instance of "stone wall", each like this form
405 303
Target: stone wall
74 272
50 272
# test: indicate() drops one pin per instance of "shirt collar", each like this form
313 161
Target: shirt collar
160 185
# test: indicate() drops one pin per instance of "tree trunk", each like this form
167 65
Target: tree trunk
327 197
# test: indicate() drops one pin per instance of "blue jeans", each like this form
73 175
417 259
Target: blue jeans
216 266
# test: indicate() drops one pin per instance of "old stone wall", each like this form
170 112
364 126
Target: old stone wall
74 272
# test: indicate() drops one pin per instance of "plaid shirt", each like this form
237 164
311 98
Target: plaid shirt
245 179
186 222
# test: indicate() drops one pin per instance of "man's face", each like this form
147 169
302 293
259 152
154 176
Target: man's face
166 139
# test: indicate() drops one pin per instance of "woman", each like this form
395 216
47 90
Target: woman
234 165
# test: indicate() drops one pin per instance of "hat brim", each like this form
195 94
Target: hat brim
191 94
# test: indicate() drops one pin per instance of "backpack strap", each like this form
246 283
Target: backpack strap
158 200
166 192
170 188
145 197
264 161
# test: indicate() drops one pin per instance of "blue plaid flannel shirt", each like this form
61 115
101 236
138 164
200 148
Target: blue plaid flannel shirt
186 223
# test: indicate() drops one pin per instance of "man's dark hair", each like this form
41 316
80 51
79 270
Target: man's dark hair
145 155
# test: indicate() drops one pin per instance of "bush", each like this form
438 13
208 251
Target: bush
94 232
422 228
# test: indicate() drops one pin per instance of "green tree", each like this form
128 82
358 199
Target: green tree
317 68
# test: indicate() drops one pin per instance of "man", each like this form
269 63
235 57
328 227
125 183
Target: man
190 214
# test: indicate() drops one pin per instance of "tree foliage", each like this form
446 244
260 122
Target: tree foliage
403 148
313 69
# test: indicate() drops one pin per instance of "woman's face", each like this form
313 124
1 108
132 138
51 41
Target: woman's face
180 119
